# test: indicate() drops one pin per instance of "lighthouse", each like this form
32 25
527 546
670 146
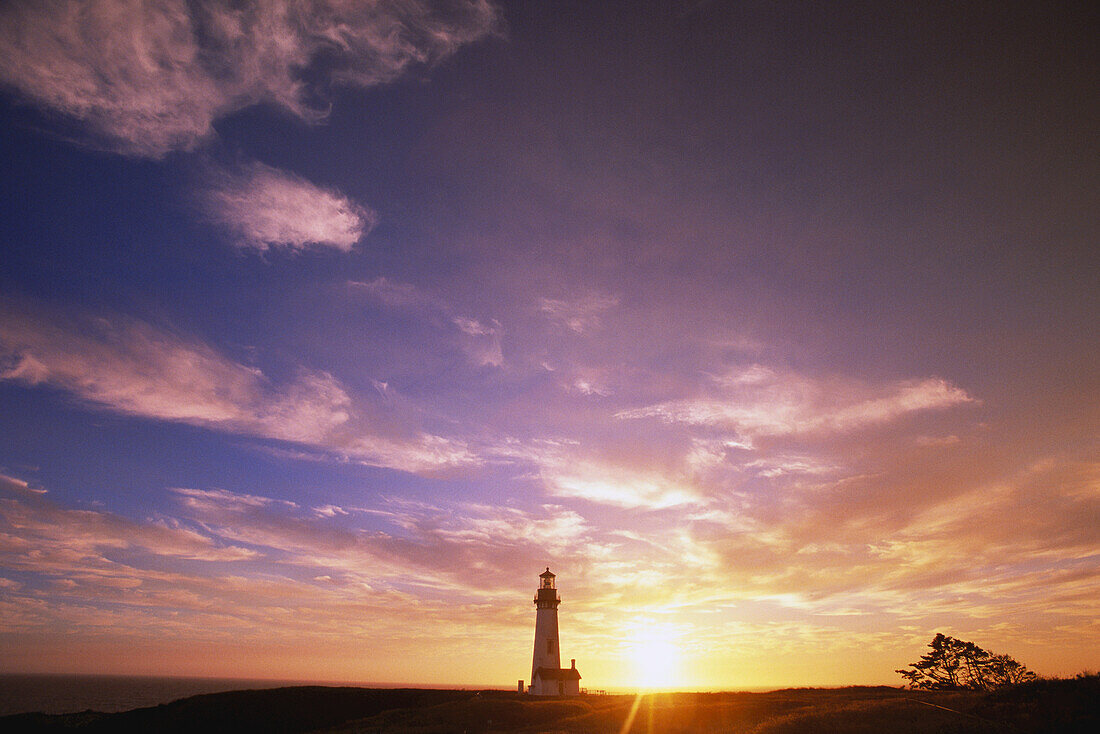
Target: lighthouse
548 678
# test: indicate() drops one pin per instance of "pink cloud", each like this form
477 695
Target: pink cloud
265 207
555 528
122 581
303 577
133 368
393 293
431 546
40 535
206 500
19 486
482 341
478 339
421 453
435 544
759 401
590 381
329 511
580 315
149 78
619 485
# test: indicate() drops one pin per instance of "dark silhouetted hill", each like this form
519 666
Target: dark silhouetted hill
275 710
1040 707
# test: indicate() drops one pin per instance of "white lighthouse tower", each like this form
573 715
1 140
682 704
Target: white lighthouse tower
548 678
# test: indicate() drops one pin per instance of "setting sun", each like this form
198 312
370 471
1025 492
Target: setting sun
652 656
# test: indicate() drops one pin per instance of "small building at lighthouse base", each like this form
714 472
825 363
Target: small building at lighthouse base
556 681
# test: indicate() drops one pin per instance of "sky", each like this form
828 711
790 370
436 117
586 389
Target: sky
770 327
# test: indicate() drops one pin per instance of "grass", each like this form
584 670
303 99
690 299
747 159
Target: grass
1044 706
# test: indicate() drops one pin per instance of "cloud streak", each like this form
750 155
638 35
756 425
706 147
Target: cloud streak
150 78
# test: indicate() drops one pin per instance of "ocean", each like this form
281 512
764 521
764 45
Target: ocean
64 694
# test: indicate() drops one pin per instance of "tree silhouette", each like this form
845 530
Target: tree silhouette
955 664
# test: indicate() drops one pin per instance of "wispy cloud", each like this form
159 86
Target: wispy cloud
433 545
264 207
618 485
220 500
759 401
293 575
482 342
149 78
130 367
393 293
287 576
418 452
43 536
580 315
589 381
479 339
271 568
329 511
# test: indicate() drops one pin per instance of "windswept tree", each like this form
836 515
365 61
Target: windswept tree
955 664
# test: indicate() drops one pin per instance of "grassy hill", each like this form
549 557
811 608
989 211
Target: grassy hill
1062 706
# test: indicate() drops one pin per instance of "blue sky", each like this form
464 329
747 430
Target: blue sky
325 326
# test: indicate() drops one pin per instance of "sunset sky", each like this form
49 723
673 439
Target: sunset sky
770 327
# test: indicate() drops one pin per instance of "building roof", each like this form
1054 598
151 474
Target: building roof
558 674
546 573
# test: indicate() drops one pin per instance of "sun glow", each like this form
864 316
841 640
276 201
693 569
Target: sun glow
652 655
